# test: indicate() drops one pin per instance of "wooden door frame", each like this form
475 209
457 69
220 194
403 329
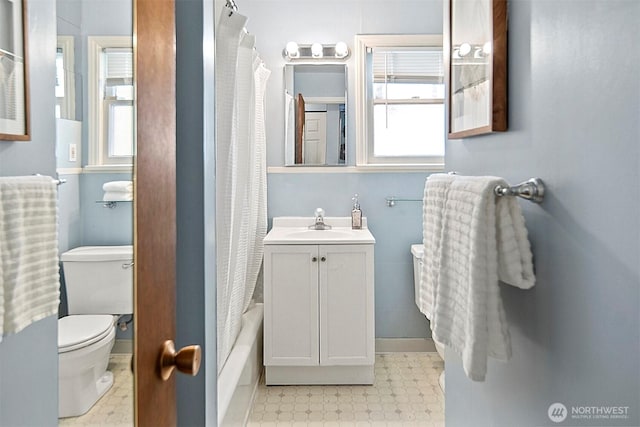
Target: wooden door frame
154 207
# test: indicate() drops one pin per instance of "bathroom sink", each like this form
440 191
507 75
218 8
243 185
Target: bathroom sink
295 231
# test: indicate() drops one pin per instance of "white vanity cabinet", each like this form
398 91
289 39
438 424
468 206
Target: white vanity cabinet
319 310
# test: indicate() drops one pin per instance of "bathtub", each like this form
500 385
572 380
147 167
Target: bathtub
239 377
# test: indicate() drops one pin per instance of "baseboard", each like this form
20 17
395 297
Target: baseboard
122 347
404 345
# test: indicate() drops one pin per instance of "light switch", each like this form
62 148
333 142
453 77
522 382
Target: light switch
73 153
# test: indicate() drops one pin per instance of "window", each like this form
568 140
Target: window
111 102
400 94
65 79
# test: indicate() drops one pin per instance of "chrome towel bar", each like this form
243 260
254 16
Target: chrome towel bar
533 190
57 181
391 200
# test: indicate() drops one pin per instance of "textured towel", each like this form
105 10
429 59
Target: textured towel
29 280
472 240
119 186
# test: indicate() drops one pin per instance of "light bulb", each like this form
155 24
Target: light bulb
341 50
292 50
465 49
486 48
316 50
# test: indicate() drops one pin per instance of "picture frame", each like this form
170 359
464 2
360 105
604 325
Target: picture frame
14 71
476 66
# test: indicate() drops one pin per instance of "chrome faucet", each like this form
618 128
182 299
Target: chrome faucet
319 221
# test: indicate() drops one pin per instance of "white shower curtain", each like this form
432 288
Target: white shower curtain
241 208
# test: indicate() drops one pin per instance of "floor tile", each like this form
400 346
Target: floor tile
405 393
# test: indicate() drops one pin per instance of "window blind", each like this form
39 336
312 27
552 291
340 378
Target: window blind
118 73
410 65
118 63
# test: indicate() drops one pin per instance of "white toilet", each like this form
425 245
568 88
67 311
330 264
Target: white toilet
418 255
99 282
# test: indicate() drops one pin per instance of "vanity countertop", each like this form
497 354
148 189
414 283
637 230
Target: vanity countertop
296 231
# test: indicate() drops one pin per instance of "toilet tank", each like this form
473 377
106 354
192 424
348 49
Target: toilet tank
99 279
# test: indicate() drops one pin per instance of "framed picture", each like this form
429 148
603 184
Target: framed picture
14 90
476 42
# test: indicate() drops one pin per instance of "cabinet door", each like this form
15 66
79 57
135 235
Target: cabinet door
346 305
291 305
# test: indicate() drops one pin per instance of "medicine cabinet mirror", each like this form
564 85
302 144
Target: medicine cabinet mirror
315 114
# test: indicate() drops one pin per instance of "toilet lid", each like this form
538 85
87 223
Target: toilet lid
79 331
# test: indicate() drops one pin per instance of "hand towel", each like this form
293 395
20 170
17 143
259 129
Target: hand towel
29 278
119 186
472 240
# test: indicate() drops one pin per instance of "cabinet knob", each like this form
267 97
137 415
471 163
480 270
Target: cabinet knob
323 259
314 259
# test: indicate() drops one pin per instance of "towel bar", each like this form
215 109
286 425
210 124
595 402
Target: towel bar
391 200
532 189
57 181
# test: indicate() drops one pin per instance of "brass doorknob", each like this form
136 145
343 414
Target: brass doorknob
186 360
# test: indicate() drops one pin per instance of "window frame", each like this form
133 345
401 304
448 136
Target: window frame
68 103
364 119
98 159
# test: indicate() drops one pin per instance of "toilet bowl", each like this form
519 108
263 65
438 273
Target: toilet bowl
99 285
84 346
417 251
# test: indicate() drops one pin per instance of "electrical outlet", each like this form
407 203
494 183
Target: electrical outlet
73 152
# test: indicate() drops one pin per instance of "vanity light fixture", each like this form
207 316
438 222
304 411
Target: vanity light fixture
316 52
464 49
292 50
342 50
486 48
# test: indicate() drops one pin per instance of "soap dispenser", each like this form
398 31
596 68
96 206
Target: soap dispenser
356 214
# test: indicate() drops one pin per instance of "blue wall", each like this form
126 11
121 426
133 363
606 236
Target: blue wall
275 23
29 359
82 220
100 225
574 110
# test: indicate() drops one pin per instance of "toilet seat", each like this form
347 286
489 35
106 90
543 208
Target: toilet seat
78 331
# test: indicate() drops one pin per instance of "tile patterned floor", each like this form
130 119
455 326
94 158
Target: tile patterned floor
405 393
115 408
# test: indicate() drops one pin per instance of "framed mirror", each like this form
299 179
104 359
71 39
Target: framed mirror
315 114
14 93
477 69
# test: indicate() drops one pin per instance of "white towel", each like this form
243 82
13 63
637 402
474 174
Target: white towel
119 186
117 196
29 280
472 240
